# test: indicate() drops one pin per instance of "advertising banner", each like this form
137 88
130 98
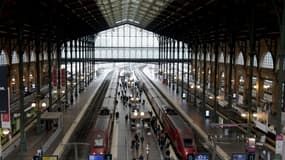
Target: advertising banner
52 157
5 117
54 76
4 98
63 78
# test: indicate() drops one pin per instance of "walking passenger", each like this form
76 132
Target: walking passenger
142 139
133 144
136 137
141 157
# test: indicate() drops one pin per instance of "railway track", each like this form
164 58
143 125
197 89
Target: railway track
78 146
199 140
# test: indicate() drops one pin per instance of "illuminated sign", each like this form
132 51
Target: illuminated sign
96 157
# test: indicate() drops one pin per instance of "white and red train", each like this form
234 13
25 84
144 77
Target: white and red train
100 142
179 132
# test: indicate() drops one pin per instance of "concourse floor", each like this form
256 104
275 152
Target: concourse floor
34 141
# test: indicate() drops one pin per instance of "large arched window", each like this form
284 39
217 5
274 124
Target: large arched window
221 59
267 61
14 58
33 56
3 59
208 57
126 41
240 59
255 61
25 57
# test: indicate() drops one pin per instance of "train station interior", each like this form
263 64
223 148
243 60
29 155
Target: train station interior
142 79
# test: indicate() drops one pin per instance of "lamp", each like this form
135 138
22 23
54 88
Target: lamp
5 131
44 104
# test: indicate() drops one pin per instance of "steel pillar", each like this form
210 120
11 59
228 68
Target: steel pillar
49 73
65 72
173 71
76 67
232 53
169 61
280 75
196 74
38 83
177 67
188 71
182 79
58 58
216 89
252 43
204 75
71 71
23 144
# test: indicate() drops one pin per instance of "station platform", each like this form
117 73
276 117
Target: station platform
124 134
35 141
202 125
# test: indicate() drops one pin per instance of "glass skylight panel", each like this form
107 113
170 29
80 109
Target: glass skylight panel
133 11
159 3
150 1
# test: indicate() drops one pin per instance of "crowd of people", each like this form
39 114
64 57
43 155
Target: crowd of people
137 141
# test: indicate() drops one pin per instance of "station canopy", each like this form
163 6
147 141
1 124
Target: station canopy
179 19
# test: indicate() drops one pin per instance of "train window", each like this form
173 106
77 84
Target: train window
104 112
188 143
171 111
98 142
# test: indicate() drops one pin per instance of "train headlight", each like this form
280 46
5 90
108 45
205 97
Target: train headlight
101 153
186 153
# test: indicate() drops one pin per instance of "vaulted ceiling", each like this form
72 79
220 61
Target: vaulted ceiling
180 19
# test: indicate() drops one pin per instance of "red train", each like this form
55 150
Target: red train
101 136
179 132
101 132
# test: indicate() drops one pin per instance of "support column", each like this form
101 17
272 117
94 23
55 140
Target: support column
216 79
85 62
49 52
169 61
281 56
204 75
166 61
58 58
196 74
89 63
177 69
65 73
71 71
188 72
38 83
23 144
173 60
163 58
232 53
159 55
93 60
182 78
82 84
76 67
80 64
252 43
